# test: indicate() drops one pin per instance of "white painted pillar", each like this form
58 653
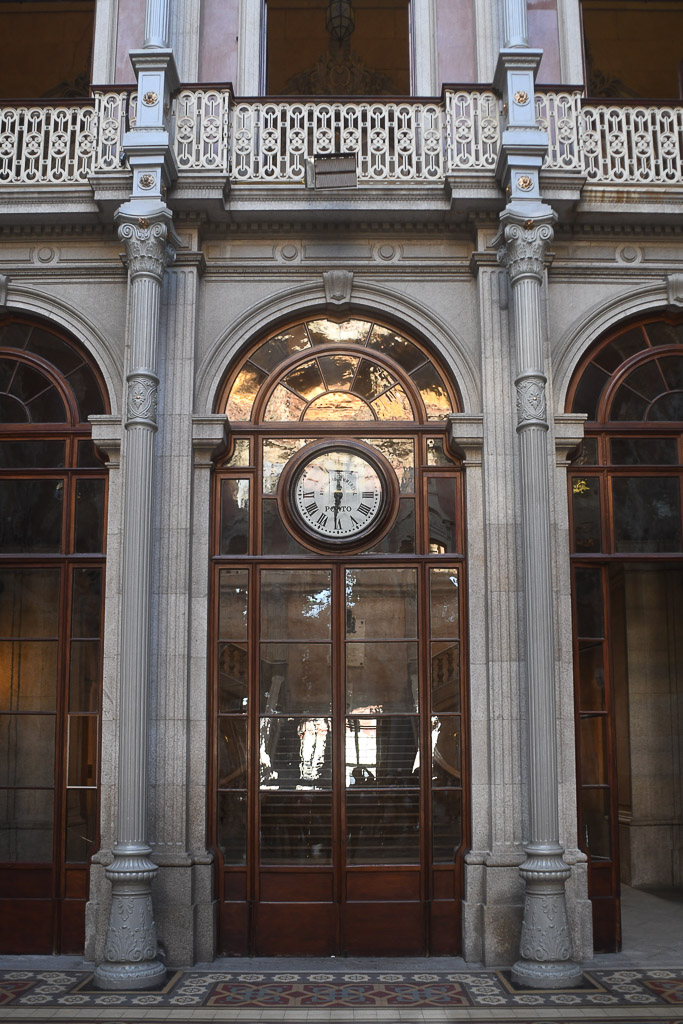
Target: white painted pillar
157 19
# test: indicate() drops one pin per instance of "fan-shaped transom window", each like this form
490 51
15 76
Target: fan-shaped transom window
635 375
325 370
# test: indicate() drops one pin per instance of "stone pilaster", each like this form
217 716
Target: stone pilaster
546 949
130 953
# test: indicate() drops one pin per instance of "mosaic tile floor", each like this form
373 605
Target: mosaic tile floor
649 995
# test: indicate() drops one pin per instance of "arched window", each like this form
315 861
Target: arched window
52 516
337 695
627 555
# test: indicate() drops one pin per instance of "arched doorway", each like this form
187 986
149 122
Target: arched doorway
52 516
627 563
338 806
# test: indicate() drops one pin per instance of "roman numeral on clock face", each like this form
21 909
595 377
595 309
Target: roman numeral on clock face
363 508
368 494
312 508
321 520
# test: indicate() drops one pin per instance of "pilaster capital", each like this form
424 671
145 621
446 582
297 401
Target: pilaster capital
149 238
523 241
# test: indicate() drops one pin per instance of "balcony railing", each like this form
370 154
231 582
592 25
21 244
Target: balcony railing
268 142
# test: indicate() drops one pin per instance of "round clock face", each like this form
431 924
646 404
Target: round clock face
338 494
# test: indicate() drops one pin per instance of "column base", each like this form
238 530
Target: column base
550 975
129 976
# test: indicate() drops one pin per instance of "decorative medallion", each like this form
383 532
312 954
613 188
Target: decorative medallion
525 182
150 99
147 181
521 97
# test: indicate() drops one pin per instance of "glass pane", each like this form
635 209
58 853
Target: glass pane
593 750
306 380
295 753
393 405
442 520
31 454
29 602
661 333
87 456
381 603
588 591
445 615
81 825
31 515
372 380
276 350
446 825
27 743
397 347
672 370
588 391
383 751
28 675
241 453
276 454
12 410
628 405
401 537
275 537
338 405
233 677
667 408
596 823
231 827
296 679
84 676
382 828
647 513
232 753
89 530
295 604
284 405
82 761
446 752
326 332
381 677
445 676
26 835
244 391
436 456
644 451
433 391
591 676
87 392
29 384
400 454
586 513
338 371
55 350
296 828
47 407
588 453
234 517
86 603
233 593
621 348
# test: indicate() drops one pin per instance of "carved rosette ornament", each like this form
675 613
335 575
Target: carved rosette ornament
523 249
147 249
141 407
531 405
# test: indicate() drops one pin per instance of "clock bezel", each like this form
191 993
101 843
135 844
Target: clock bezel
303 531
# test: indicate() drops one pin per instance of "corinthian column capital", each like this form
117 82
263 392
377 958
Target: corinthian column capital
148 251
523 245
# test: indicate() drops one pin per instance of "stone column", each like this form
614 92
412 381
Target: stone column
156 23
131 945
546 949
515 22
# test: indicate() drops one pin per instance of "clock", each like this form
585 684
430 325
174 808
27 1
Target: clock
339 493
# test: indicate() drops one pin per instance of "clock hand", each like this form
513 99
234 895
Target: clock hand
338 494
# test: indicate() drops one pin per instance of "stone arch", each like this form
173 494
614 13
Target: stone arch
306 301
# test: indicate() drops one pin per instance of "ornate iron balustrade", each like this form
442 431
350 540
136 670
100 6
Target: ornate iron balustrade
263 142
